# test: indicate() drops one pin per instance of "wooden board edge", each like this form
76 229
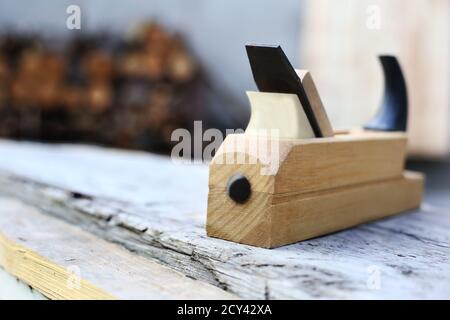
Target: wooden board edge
44 275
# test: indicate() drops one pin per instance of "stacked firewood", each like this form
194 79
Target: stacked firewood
130 93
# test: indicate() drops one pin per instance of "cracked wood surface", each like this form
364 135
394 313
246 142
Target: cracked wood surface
157 209
63 262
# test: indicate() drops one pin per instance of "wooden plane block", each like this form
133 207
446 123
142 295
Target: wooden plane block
63 262
306 165
270 221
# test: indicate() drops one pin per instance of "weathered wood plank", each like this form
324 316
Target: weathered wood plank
158 209
64 262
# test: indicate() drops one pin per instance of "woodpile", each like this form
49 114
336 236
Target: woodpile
130 93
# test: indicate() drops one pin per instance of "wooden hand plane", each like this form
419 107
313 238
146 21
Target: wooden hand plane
289 177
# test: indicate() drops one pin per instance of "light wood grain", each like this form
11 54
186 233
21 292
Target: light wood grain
316 102
308 216
270 221
306 165
63 262
266 116
126 202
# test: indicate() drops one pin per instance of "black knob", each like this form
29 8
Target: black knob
238 188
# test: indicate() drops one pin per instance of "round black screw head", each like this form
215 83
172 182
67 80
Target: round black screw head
238 188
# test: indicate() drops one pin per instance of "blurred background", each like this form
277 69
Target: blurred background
134 71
